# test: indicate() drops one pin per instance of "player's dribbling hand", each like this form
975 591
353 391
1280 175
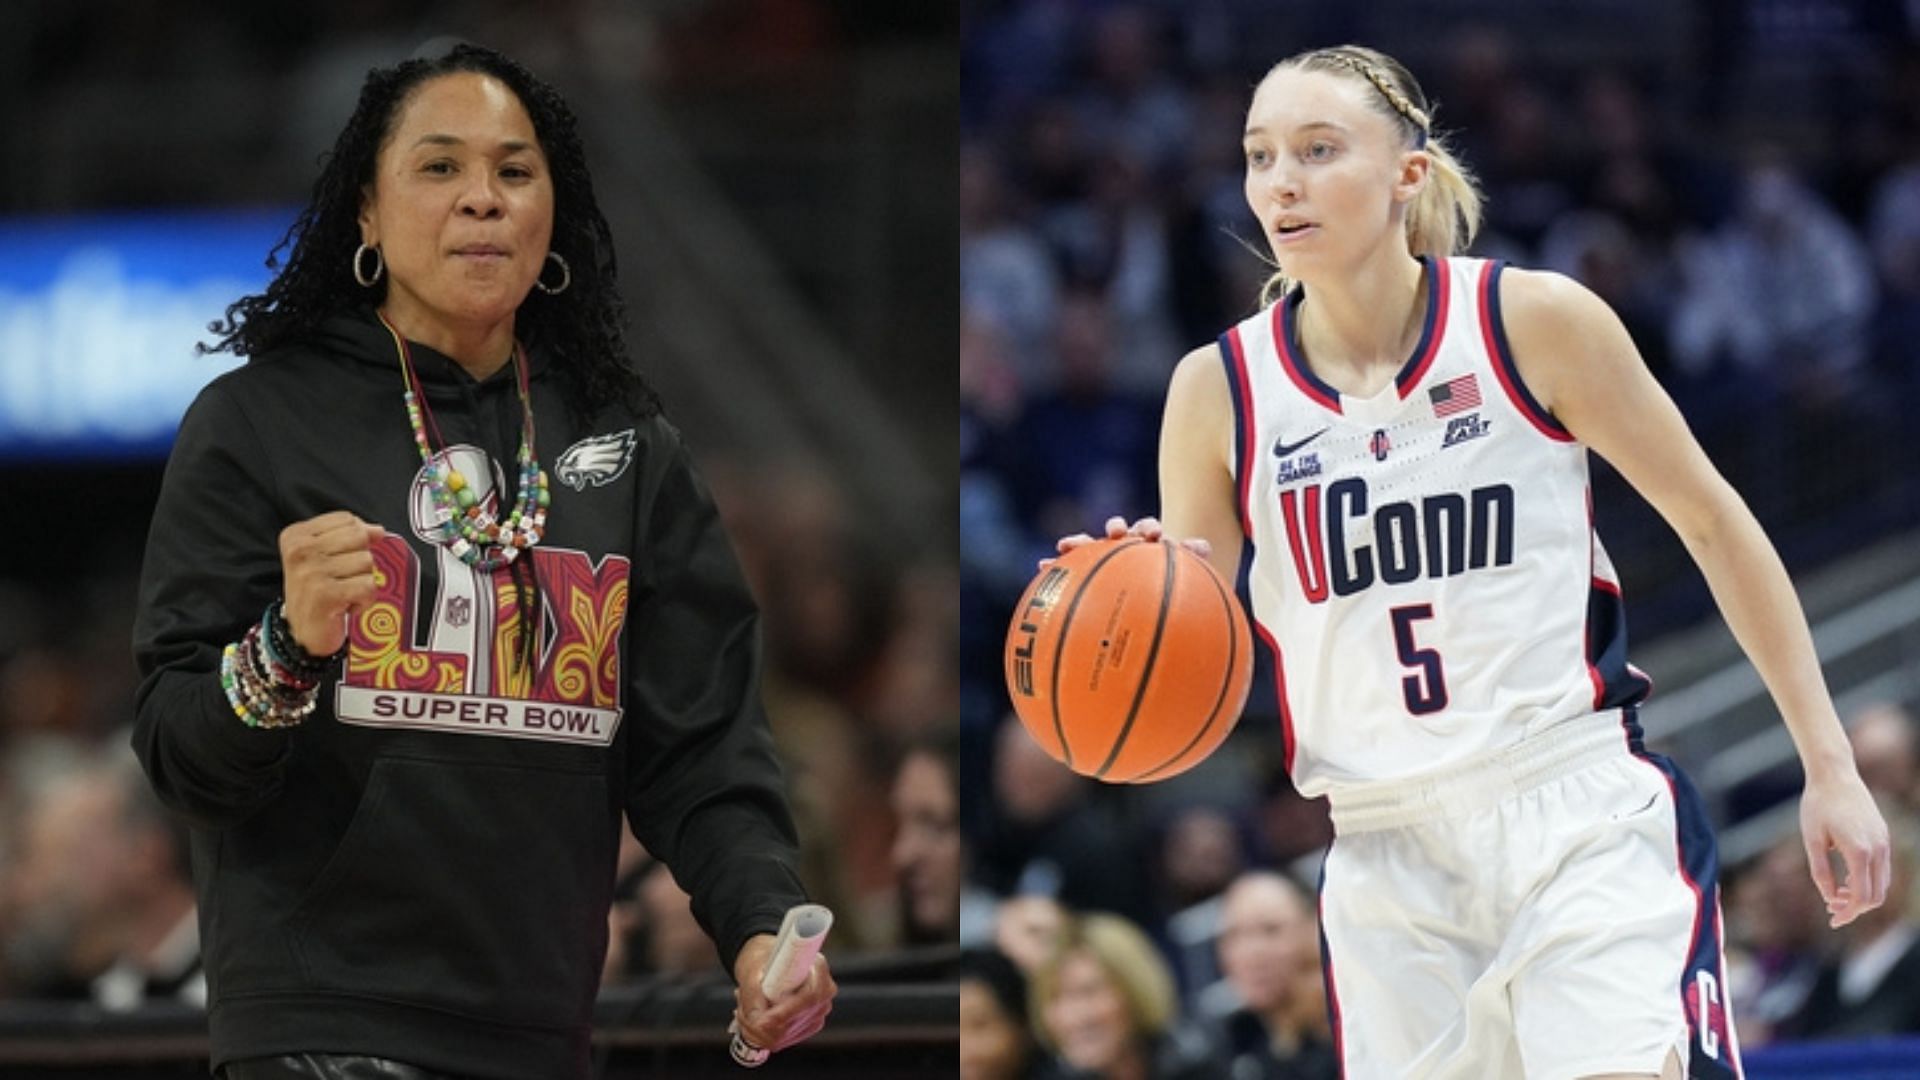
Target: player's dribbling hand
326 567
1839 819
791 1018
1147 528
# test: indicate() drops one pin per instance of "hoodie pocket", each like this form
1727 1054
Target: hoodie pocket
478 889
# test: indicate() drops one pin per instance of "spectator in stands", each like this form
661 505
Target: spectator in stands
1784 290
1774 938
1894 227
1292 826
45 692
1006 275
1115 245
998 556
1130 101
675 944
651 929
1091 440
1050 837
1269 951
1770 332
1201 853
1529 177
914 691
1884 743
789 517
105 894
926 842
1105 1003
1873 986
1029 929
995 1041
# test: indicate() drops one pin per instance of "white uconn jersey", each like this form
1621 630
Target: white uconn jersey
1424 569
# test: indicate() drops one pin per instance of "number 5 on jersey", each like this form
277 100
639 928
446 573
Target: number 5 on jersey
1425 691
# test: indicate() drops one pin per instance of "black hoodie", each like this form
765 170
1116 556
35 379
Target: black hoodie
422 870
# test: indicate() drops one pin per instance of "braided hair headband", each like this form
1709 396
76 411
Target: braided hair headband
1413 113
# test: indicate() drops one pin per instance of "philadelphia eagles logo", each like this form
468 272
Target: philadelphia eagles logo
597 460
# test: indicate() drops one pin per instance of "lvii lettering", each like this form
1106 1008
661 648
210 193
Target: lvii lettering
571 692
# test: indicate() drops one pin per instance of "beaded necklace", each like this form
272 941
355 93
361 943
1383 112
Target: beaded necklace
477 537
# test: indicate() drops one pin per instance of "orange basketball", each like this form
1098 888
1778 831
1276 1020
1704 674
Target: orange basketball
1129 660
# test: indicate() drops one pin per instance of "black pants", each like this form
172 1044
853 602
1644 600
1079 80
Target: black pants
326 1067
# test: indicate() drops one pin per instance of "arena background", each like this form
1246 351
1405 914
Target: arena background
780 178
1740 179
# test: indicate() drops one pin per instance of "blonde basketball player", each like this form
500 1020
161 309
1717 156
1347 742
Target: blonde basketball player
1516 887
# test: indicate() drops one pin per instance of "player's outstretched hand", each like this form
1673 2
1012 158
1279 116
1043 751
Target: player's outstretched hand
326 568
793 1017
1838 819
1147 528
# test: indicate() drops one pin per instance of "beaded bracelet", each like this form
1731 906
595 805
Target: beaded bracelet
258 686
255 705
269 679
268 670
286 651
268 663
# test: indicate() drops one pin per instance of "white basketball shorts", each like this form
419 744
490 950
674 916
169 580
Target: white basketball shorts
1548 912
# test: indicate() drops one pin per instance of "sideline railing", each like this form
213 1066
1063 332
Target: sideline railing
650 1029
678 1029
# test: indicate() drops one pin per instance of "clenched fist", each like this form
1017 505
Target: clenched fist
328 574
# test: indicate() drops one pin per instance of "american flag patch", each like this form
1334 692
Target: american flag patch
1455 396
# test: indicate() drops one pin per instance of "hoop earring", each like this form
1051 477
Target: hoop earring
379 266
566 276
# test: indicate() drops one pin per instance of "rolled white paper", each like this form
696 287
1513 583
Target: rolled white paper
802 933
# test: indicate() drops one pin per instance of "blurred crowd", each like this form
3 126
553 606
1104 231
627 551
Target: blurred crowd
96 894
1741 182
1186 948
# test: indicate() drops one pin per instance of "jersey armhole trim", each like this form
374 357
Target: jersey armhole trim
1494 331
1233 356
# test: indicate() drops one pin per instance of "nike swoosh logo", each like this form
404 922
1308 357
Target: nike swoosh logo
1281 449
1651 799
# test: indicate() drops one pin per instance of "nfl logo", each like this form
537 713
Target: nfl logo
1380 444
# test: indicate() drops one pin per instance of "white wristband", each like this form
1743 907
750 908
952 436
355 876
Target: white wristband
802 933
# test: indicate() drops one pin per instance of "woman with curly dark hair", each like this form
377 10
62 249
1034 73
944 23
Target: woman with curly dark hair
432 598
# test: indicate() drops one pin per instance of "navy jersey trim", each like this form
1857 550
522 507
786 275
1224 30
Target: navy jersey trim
1494 329
1439 297
1279 685
1286 323
1326 967
1233 356
1713 1047
1616 682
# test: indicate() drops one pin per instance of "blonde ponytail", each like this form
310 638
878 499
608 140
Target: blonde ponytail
1445 215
